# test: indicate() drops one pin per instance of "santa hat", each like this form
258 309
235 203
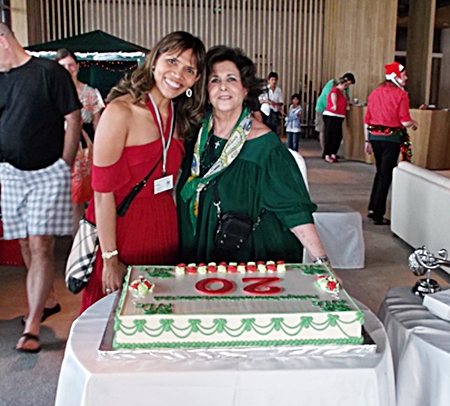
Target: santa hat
393 70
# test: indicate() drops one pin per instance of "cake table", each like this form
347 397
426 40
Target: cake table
88 379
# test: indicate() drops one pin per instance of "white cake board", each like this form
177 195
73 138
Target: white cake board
106 350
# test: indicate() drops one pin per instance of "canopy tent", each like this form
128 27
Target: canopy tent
103 58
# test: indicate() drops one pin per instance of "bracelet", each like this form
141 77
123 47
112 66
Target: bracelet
109 254
322 259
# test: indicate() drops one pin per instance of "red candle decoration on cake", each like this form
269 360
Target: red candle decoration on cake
281 266
201 269
180 269
191 269
261 266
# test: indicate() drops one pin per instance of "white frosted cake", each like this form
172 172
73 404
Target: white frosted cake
231 305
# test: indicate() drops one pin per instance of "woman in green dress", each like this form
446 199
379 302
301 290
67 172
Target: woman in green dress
237 164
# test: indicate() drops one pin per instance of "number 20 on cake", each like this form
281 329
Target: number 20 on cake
234 305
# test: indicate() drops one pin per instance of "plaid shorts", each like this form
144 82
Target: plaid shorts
36 202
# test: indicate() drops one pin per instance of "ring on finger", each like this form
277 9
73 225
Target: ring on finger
108 290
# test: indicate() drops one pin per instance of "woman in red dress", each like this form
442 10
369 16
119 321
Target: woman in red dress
133 136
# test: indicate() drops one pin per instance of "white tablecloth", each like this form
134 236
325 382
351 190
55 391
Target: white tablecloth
420 345
85 379
340 230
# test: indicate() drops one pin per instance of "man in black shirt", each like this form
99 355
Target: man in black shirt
36 154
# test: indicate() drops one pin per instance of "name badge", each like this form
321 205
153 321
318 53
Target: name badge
163 184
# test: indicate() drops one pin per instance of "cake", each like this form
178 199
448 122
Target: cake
234 305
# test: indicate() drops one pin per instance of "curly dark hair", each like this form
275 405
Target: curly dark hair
247 69
189 111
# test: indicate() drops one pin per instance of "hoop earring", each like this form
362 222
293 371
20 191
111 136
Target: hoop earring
189 92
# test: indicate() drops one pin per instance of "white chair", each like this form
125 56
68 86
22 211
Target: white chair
301 165
339 228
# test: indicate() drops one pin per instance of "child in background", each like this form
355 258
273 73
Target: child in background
293 122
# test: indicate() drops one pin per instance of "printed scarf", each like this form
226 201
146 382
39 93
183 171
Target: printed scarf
195 184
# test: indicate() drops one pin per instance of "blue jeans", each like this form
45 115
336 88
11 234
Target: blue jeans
292 140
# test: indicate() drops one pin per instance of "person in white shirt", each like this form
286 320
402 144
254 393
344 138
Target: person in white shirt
272 103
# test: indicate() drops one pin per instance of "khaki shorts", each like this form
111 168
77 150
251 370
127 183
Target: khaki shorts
320 125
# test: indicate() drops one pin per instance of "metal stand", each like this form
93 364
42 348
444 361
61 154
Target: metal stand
422 261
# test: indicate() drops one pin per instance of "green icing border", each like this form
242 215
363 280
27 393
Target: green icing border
219 326
234 298
228 344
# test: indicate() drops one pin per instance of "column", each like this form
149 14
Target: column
419 50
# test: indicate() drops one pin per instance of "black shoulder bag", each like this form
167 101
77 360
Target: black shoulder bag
233 228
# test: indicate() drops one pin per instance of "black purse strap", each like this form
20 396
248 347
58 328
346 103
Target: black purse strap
219 212
126 202
216 192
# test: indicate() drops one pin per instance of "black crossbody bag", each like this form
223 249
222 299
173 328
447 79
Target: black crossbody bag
234 228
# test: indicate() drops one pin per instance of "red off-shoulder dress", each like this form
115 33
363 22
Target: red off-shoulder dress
148 233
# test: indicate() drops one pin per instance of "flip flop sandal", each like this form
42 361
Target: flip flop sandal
28 337
48 311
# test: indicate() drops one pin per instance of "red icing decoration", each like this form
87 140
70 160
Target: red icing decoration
280 262
271 268
231 269
212 269
260 287
191 269
203 286
332 285
251 268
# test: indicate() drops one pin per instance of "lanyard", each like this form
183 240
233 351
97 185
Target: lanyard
168 133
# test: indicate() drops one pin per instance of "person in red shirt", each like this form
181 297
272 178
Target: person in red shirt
334 116
385 123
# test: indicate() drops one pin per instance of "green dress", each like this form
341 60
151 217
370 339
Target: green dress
264 175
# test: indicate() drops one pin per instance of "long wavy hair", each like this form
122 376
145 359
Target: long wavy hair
189 110
247 69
